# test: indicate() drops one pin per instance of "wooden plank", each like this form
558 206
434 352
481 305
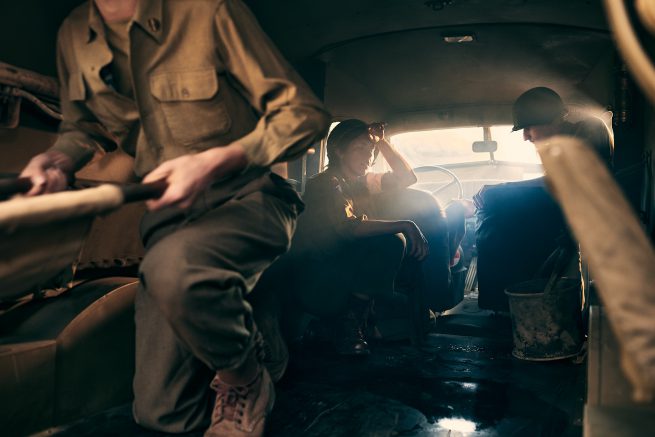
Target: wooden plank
620 255
618 421
606 383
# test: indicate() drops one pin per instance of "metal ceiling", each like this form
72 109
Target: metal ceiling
386 58
302 27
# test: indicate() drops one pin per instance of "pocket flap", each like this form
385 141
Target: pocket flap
184 85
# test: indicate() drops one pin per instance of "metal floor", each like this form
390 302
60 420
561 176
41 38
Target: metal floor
464 382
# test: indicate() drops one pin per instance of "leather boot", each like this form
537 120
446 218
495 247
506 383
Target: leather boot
241 411
351 330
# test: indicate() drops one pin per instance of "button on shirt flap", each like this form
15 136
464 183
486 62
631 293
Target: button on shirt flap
184 85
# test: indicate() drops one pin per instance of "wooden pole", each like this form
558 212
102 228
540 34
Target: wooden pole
619 253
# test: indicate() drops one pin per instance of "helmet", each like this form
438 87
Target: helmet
342 135
537 106
345 132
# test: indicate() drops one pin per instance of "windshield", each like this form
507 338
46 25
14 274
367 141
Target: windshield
512 147
439 147
514 160
453 146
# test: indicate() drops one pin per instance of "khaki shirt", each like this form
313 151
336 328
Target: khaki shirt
204 75
334 208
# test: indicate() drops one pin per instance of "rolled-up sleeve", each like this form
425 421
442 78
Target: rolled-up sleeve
80 133
292 118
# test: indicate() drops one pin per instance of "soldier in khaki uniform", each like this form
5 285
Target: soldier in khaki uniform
196 92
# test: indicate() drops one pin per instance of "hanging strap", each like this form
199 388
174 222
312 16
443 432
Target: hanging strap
563 258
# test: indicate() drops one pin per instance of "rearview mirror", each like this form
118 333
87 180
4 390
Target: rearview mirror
485 146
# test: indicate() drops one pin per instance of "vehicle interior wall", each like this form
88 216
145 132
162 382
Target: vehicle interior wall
29 43
648 198
634 130
19 144
28 32
649 182
630 130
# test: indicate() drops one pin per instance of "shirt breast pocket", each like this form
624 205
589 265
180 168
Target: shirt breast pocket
192 104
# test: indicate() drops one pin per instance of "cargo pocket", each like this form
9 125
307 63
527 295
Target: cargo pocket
192 104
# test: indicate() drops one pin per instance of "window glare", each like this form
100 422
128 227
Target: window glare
440 146
452 146
512 147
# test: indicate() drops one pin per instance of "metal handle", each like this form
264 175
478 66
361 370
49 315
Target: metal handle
9 187
131 193
138 192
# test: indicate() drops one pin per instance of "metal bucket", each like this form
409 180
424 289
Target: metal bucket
546 325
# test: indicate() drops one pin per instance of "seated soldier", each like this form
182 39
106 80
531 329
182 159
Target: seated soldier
541 113
514 213
357 228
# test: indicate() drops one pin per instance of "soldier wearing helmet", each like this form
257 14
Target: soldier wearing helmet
541 113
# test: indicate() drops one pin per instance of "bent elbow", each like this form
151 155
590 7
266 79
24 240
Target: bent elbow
408 179
412 179
313 123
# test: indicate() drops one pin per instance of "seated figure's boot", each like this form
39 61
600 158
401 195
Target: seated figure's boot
373 333
242 410
351 330
350 338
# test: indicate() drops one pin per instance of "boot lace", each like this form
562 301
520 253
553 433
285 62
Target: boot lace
230 401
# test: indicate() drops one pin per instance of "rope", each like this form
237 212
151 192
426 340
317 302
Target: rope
49 110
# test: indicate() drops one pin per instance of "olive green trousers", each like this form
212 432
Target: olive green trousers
192 316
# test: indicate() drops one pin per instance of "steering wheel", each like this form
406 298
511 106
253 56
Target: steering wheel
454 180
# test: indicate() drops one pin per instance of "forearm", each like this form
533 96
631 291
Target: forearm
374 228
402 172
224 161
292 118
78 147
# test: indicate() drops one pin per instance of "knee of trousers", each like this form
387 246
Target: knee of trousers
375 264
387 250
161 273
394 247
182 283
425 205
